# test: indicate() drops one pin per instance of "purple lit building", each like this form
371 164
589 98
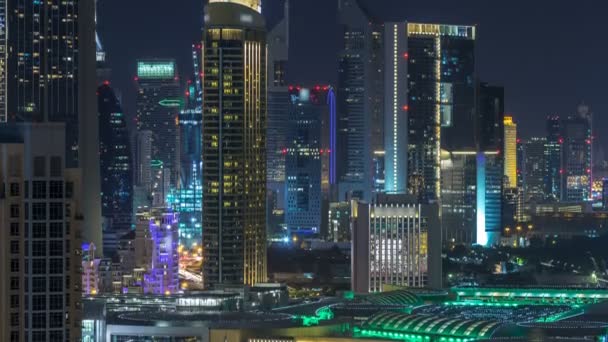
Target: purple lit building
162 272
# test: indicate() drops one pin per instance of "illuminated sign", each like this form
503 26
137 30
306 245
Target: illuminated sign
155 69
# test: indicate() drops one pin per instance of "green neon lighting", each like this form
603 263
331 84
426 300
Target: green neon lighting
156 163
171 103
323 314
156 69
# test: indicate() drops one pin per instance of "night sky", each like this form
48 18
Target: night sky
549 55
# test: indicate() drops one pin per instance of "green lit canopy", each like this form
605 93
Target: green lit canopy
400 297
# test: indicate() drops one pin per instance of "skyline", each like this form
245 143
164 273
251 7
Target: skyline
558 92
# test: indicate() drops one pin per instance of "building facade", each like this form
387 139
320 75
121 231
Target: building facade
159 100
510 151
577 163
234 144
534 171
115 162
554 157
41 201
396 241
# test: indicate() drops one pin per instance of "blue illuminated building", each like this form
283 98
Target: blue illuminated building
187 199
162 277
309 161
115 166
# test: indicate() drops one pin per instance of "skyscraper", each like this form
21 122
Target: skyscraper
534 170
278 108
577 160
115 163
188 198
395 242
605 193
510 151
306 154
434 65
42 215
360 99
234 144
554 158
159 100
47 74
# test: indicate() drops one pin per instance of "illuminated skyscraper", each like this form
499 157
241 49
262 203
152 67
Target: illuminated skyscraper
159 100
234 144
360 100
554 157
534 169
307 166
115 163
577 163
430 93
510 150
395 242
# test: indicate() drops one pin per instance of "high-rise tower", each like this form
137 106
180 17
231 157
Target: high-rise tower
510 150
234 143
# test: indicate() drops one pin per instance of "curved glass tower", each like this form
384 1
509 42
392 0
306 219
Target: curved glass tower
234 144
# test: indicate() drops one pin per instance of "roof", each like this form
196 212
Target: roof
401 297
430 325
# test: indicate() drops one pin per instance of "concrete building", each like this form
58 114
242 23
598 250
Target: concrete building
42 216
396 241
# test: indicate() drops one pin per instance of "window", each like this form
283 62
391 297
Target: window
14 247
56 211
39 211
38 230
39 190
39 167
39 336
56 284
14 265
14 301
39 284
56 167
39 302
56 302
57 336
55 266
39 320
69 189
56 230
14 319
38 248
14 283
14 228
56 320
15 210
14 189
39 266
55 248
56 189
15 336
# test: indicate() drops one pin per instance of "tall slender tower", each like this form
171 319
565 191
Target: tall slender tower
511 151
234 143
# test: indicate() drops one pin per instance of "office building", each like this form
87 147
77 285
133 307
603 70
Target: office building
434 65
234 143
490 117
115 163
187 199
42 216
142 169
307 158
278 107
339 222
360 95
554 158
577 163
159 100
395 241
534 169
510 151
459 196
490 173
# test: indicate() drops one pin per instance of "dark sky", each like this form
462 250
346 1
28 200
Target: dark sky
550 55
